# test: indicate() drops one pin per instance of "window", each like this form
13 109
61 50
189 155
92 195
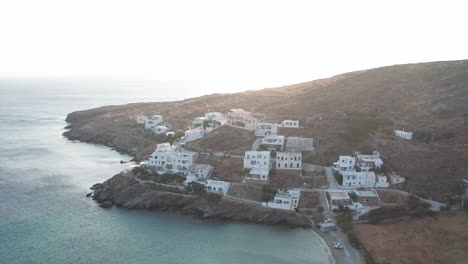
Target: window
279 165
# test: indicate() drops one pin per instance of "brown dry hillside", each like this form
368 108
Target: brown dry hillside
429 98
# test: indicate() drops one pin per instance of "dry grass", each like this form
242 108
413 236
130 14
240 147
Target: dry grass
309 200
228 169
249 192
228 139
427 240
283 178
392 197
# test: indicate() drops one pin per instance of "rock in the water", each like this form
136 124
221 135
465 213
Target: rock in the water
89 194
106 204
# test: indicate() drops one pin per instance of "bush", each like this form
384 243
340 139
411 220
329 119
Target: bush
338 176
268 193
212 197
422 136
361 125
195 188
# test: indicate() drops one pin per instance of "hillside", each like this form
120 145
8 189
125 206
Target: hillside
428 98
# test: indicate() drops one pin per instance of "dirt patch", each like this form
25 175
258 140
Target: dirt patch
227 139
309 200
426 240
392 197
244 191
283 178
225 168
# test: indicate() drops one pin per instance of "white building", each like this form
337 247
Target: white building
172 159
198 121
266 129
216 116
345 163
288 161
154 121
273 142
285 199
241 118
337 198
258 164
403 134
366 162
396 179
299 144
382 181
194 134
159 130
215 185
199 173
358 179
290 123
141 119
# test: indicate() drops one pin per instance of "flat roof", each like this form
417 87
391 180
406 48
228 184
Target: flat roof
367 193
335 195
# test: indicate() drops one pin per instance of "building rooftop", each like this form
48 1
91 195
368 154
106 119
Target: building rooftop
366 193
337 195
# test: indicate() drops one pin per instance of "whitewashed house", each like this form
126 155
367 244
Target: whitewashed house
198 121
215 185
172 159
194 134
299 144
216 116
285 199
382 181
396 179
159 130
141 119
368 162
258 164
345 163
403 134
358 179
290 123
199 173
154 121
241 118
337 198
273 142
288 161
266 129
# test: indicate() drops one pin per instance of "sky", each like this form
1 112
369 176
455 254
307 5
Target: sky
225 45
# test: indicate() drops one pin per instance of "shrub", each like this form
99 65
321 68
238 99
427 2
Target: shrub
339 177
195 188
212 197
268 193
422 136
361 125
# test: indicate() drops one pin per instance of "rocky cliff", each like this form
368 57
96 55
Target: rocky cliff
124 191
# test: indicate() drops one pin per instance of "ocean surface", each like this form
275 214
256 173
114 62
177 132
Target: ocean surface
46 218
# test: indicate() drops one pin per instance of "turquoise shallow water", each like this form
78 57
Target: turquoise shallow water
45 217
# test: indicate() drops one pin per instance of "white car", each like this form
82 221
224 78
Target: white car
337 245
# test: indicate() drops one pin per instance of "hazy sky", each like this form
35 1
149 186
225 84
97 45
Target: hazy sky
227 45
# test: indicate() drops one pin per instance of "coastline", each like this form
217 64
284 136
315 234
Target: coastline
333 256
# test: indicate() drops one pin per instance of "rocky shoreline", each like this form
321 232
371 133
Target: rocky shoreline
124 191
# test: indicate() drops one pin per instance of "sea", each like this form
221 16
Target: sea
46 218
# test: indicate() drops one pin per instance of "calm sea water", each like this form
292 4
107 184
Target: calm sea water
45 217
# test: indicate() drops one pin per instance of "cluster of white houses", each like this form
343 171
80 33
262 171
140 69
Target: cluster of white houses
154 123
176 160
352 199
204 124
359 170
277 152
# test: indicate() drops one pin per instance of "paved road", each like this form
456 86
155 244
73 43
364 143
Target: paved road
351 254
256 144
435 205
